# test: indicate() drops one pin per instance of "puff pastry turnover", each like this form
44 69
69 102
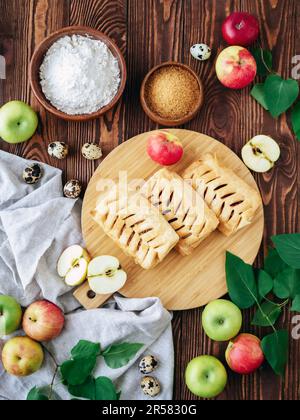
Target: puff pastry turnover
136 227
233 201
182 207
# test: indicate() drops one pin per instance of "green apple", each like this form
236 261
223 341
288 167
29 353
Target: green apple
21 356
222 320
206 377
105 275
73 265
10 315
18 122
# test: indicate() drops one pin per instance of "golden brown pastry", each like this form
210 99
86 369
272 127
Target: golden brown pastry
136 227
182 207
233 201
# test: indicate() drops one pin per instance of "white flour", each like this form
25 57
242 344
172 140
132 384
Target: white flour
79 75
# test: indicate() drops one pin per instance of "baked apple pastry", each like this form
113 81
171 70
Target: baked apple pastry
233 201
135 226
182 207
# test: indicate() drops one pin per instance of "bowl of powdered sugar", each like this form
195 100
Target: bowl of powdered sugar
78 73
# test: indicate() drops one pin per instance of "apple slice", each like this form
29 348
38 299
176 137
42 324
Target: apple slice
260 153
73 265
105 275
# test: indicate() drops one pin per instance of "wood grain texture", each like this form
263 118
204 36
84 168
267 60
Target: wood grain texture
180 282
149 32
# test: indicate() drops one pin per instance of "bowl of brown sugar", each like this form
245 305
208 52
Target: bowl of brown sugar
171 94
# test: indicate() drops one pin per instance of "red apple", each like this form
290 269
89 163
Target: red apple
164 148
240 28
43 321
244 354
236 67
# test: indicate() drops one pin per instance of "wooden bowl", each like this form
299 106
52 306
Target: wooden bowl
38 57
164 121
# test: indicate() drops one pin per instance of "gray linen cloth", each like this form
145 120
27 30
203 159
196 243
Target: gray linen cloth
36 224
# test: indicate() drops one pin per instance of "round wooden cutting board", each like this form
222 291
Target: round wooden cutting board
180 282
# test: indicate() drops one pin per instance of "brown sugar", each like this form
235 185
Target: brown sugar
172 92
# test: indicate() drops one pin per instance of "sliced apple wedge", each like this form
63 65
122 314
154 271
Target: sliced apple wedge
73 265
105 275
260 153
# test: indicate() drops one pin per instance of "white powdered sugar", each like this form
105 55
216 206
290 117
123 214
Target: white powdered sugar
79 75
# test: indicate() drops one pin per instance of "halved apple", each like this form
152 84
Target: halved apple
105 275
260 153
73 265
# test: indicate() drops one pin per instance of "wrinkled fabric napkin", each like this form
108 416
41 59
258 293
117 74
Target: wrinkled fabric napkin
36 224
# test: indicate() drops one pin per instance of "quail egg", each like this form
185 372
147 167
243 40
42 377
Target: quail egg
58 150
150 386
72 189
201 52
32 174
148 364
91 151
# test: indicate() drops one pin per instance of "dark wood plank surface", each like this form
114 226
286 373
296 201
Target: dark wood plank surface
149 32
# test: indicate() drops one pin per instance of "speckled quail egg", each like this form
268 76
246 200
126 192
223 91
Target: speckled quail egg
32 174
91 151
58 150
201 52
72 189
150 386
148 364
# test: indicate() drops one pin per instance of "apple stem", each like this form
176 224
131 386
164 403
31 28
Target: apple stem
51 355
240 25
52 383
55 371
263 59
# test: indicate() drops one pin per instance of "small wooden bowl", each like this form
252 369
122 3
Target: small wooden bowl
38 57
157 118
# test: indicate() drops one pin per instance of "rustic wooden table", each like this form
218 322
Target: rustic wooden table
149 32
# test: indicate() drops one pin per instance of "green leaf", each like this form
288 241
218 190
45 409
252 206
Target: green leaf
241 283
296 304
267 315
264 61
85 349
288 247
76 372
258 94
273 263
275 348
118 355
86 390
36 395
280 94
296 120
265 284
287 284
99 389
105 390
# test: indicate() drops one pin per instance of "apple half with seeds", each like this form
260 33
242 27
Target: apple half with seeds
105 275
73 265
261 153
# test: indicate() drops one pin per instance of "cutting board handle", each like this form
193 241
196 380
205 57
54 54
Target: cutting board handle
89 299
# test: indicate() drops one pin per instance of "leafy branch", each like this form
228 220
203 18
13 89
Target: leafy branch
276 94
76 372
280 278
